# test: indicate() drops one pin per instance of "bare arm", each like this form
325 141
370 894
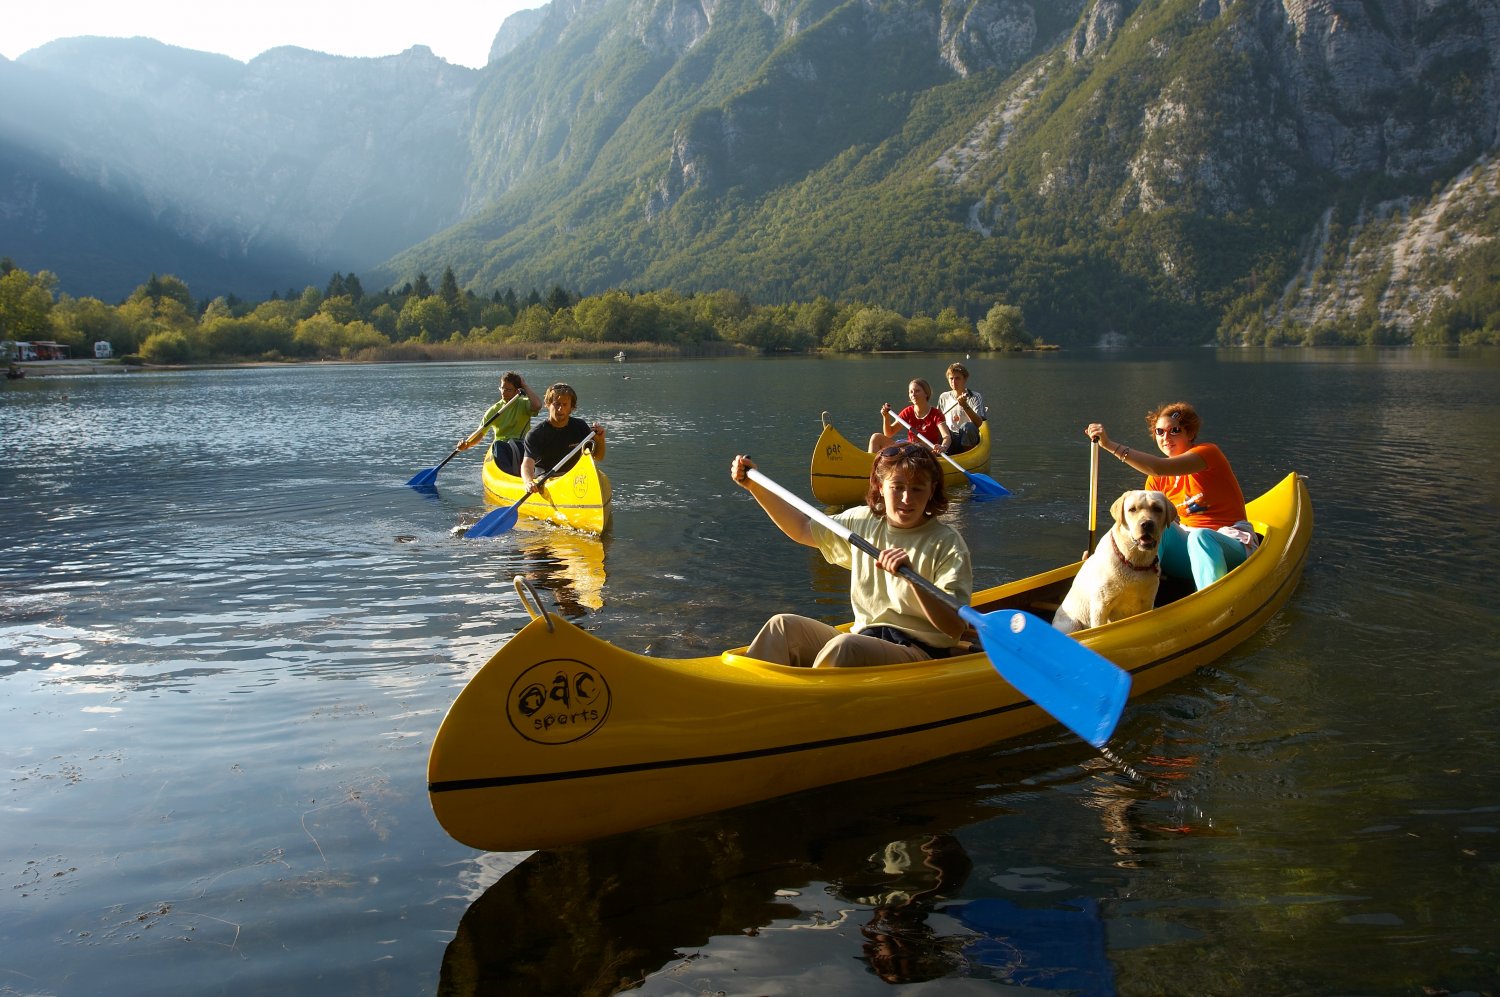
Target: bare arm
598 444
787 517
964 402
532 398
1143 461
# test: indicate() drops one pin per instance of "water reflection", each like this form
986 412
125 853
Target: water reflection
915 874
736 900
568 563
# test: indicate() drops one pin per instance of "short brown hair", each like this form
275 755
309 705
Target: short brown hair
560 389
910 455
1180 413
958 368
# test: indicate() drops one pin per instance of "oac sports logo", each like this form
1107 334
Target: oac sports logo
558 701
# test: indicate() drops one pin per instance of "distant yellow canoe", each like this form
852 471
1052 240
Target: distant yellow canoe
579 499
562 737
841 469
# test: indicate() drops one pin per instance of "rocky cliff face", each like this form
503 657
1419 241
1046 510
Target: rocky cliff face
833 74
514 32
1395 261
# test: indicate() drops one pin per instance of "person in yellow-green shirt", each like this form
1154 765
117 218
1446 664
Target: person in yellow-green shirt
510 428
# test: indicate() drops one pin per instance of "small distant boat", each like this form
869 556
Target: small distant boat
620 357
562 737
579 498
841 468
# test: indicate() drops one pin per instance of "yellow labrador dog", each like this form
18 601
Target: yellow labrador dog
1120 577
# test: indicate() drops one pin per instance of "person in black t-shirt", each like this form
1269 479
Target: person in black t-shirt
550 440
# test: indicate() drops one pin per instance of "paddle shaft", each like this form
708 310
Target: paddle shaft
500 411
983 483
502 519
430 474
930 445
1093 495
1083 690
547 472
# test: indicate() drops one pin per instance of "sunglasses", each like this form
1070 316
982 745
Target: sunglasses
902 449
1174 430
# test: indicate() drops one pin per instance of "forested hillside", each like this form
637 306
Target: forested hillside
1158 171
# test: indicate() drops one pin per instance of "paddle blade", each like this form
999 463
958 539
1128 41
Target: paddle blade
495 522
1083 690
986 485
425 478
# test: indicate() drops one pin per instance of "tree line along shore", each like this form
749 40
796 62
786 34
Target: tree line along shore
160 323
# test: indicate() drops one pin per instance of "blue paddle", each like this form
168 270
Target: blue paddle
983 483
498 521
428 477
1083 690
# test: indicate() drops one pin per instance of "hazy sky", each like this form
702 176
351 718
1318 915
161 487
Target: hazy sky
457 30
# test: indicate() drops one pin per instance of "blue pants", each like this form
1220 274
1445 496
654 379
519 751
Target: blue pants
1203 555
507 456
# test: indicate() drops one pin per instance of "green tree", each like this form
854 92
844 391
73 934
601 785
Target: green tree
1004 328
605 317
454 300
26 304
558 299
89 320
869 329
168 346
341 309
425 319
164 288
246 336
531 326
384 318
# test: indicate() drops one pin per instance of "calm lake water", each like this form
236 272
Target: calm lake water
228 633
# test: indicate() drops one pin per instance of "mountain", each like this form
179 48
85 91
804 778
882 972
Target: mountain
276 172
1147 168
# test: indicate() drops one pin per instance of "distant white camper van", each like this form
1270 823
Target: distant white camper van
103 351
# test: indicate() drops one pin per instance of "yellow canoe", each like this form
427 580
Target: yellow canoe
562 737
841 469
579 499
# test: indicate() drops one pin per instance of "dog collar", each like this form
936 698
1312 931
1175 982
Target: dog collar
1155 564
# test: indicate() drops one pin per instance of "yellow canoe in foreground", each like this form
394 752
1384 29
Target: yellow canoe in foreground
841 468
561 737
579 499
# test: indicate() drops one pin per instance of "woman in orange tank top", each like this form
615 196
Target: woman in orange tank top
1213 536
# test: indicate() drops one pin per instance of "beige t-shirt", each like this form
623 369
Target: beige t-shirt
936 551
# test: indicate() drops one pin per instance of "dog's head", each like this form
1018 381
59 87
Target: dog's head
1143 516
